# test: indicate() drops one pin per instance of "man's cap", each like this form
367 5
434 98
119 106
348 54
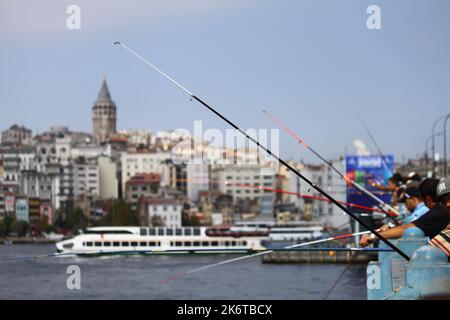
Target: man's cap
411 192
413 176
443 188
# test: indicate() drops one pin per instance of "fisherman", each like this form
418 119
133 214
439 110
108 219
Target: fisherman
394 183
432 222
442 240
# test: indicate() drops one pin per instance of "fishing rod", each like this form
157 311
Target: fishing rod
269 152
375 143
366 192
301 195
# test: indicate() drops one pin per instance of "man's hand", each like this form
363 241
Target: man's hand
365 240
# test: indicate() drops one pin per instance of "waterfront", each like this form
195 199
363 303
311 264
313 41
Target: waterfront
140 277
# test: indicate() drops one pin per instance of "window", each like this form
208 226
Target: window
107 244
205 243
178 231
134 244
152 244
178 244
227 243
196 231
152 231
98 244
187 232
169 232
187 243
196 243
143 231
214 243
143 243
161 231
125 243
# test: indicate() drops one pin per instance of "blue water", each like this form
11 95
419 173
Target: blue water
146 277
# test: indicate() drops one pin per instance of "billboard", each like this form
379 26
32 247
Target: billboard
364 170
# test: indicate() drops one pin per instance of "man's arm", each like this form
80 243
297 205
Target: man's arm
393 233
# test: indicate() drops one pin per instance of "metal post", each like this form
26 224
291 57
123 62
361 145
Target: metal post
445 145
434 145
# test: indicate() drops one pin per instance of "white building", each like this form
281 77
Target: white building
242 181
330 182
197 176
136 137
86 177
145 162
166 211
108 178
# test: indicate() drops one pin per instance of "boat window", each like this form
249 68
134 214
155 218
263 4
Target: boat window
196 231
205 243
116 244
143 243
178 244
169 232
196 243
107 244
152 244
68 245
160 231
98 244
143 231
134 244
158 243
187 243
125 243
244 243
214 243
187 231
152 231
178 231
227 243
233 243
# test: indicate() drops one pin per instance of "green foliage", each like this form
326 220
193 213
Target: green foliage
120 214
76 220
20 227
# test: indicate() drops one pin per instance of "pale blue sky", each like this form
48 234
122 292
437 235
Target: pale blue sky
314 64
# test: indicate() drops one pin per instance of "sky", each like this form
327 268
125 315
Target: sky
314 64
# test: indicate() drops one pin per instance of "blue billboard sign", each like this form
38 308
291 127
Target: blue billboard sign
367 169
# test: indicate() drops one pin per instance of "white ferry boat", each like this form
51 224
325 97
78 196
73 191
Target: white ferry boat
148 240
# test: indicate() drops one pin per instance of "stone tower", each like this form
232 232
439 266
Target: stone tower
104 117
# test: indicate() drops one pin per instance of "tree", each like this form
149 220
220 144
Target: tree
2 228
120 214
20 227
76 220
157 221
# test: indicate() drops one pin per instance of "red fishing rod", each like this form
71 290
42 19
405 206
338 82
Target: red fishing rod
364 191
280 160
